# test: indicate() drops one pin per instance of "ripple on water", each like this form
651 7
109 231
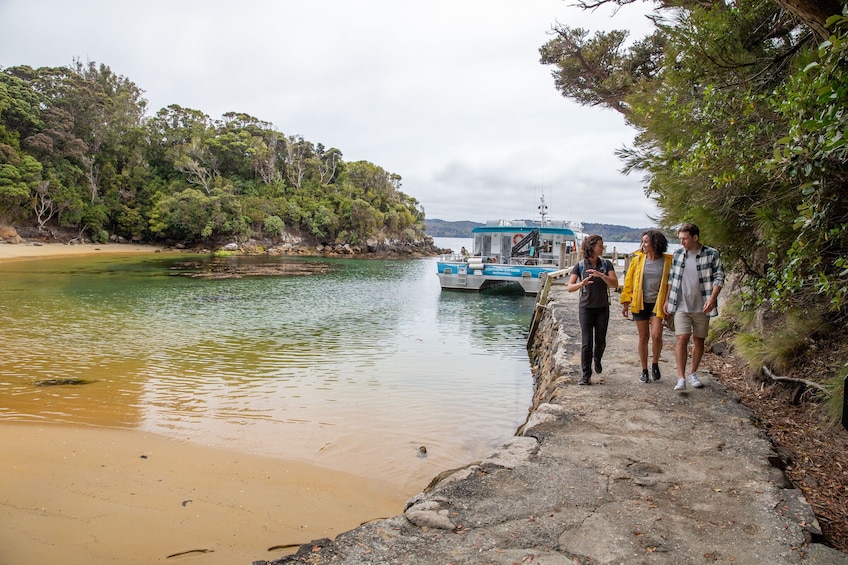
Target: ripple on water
354 367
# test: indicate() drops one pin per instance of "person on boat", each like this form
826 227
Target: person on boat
593 276
464 252
644 293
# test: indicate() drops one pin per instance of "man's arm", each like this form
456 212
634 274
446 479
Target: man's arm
718 283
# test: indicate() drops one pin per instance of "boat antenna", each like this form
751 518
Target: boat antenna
543 208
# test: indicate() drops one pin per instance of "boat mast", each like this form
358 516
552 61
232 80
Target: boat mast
543 209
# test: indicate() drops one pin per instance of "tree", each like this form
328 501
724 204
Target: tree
600 70
738 129
76 150
197 162
813 13
20 177
170 129
299 152
328 163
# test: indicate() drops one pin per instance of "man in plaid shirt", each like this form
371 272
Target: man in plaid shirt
694 281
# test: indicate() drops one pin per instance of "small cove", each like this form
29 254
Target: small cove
352 368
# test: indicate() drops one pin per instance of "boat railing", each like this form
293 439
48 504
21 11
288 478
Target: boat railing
459 258
453 257
541 261
544 260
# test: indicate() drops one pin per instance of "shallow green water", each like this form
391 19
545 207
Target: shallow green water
352 368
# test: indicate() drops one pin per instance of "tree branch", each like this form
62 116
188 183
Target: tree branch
804 382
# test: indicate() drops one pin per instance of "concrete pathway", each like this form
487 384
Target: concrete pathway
617 472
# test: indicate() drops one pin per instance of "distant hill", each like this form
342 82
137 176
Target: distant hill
441 228
610 232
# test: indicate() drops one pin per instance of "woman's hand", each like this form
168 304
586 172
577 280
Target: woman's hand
625 308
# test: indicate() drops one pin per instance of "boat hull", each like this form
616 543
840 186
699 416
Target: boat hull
459 276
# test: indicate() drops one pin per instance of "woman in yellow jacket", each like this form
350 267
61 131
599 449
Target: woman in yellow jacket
644 293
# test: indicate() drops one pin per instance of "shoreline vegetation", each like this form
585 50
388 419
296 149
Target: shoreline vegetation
91 493
28 244
80 151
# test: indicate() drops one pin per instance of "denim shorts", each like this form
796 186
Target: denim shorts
646 312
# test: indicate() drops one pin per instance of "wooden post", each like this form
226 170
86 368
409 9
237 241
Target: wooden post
542 301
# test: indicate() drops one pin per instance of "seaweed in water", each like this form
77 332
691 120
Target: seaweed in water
61 382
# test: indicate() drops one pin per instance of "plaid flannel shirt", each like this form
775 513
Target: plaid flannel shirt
710 274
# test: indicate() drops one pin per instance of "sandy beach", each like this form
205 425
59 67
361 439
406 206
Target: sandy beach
26 251
102 495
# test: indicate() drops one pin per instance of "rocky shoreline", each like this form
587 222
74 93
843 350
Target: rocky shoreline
618 472
289 244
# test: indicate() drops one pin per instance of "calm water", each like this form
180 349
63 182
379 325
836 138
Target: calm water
352 368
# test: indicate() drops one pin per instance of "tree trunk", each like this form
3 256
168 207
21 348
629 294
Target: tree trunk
813 12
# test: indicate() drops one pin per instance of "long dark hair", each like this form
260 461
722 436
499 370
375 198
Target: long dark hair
659 243
588 243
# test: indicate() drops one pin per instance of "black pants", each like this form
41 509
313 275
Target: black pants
593 326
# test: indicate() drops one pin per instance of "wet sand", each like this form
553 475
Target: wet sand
101 495
27 251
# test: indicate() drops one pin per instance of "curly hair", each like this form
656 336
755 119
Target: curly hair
658 241
588 243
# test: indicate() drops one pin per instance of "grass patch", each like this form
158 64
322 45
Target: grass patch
786 340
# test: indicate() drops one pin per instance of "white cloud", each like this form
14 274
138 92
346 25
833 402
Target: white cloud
449 94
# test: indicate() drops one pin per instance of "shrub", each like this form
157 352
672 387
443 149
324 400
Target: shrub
274 226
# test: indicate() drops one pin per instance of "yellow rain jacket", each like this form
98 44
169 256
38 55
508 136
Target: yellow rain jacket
632 290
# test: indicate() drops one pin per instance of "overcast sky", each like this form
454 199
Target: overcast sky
448 94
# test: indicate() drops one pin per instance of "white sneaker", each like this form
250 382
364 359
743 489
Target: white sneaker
681 384
694 381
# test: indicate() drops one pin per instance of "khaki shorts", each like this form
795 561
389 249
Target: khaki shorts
688 323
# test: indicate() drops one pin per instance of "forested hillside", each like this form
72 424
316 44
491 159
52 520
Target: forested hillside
612 232
77 151
443 228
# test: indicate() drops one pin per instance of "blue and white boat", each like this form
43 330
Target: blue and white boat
512 252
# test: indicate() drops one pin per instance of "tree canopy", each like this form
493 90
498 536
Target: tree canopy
739 111
78 150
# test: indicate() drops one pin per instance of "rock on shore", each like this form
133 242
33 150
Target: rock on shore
616 472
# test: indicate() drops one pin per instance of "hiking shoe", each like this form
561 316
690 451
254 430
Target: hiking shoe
681 384
694 381
598 368
584 381
655 372
644 378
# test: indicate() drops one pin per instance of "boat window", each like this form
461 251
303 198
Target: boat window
482 244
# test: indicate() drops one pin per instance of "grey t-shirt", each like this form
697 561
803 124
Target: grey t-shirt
652 279
690 286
